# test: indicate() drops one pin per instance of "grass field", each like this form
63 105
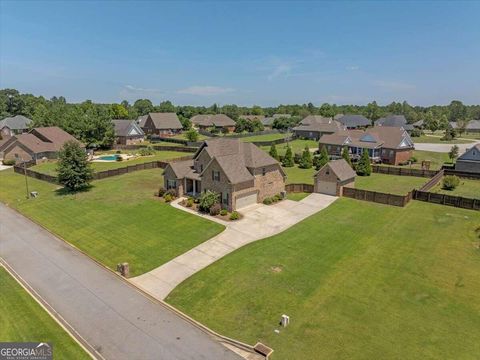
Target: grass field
50 167
118 220
468 188
267 137
391 184
359 281
297 196
436 159
437 140
183 136
24 320
296 145
295 175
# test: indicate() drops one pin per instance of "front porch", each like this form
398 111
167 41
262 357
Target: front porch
193 187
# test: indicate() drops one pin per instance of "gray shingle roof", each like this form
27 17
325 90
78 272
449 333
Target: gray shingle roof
353 121
341 169
123 127
18 122
141 120
218 120
165 121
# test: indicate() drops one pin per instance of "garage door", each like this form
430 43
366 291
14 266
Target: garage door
326 187
246 200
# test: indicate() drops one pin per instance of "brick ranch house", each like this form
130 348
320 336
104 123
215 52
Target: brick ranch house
240 172
219 121
163 124
39 145
389 145
127 132
314 127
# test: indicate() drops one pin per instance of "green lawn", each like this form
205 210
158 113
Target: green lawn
295 175
118 220
296 145
183 136
437 140
359 280
468 188
267 137
297 196
50 167
391 184
436 159
24 320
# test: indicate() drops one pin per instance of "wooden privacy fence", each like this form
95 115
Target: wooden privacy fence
306 188
106 173
462 174
397 170
378 197
443 199
188 149
271 142
433 181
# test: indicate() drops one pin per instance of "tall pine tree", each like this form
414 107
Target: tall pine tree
306 161
288 158
364 168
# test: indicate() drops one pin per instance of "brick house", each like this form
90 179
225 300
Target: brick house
332 177
314 127
469 161
394 121
127 132
164 124
240 172
386 144
39 144
219 121
15 125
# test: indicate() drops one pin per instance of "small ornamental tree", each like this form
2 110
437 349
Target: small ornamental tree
207 200
306 161
364 168
450 182
74 171
288 158
273 152
453 153
192 135
346 155
322 159
450 134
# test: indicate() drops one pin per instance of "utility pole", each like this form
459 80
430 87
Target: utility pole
24 173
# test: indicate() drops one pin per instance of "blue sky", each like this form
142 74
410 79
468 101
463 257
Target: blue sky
264 53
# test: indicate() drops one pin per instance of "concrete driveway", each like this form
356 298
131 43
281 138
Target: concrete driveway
259 221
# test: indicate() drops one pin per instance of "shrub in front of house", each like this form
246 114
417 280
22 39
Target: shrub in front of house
278 197
161 191
207 200
172 193
268 201
413 159
450 182
189 202
167 198
223 212
10 162
215 209
234 215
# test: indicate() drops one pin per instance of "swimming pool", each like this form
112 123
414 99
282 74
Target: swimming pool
108 157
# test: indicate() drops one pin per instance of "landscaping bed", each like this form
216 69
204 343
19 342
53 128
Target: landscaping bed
359 280
24 320
222 214
117 220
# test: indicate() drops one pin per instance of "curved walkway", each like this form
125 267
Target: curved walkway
259 221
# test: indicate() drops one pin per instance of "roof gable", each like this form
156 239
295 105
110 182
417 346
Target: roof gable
472 154
164 121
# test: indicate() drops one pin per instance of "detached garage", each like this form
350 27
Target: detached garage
332 177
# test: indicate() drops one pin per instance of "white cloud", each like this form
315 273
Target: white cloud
205 90
353 67
139 89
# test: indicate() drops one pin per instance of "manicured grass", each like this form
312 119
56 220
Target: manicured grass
267 137
297 196
391 184
359 280
295 175
24 320
297 146
183 136
50 167
436 159
437 140
468 188
118 220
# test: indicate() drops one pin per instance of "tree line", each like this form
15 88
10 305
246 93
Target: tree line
91 122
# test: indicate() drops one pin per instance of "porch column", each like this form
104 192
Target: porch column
194 190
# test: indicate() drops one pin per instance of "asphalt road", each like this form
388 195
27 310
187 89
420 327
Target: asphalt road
111 315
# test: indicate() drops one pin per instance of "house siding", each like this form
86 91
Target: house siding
331 177
270 184
468 166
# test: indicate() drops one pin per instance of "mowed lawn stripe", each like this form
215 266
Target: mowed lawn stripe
359 281
22 319
118 220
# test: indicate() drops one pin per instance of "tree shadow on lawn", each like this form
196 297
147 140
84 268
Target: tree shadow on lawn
65 191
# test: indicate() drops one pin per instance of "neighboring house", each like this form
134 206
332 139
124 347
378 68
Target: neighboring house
38 145
164 124
418 124
240 172
469 161
315 126
268 121
141 121
14 125
332 177
473 126
389 145
394 121
219 121
353 121
252 117
127 132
